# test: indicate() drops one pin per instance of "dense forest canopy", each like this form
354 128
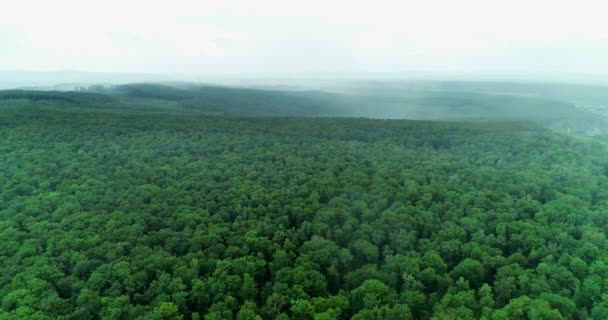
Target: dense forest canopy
111 210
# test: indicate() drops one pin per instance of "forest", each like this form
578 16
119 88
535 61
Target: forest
166 203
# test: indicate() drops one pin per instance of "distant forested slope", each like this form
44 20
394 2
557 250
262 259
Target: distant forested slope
386 102
231 101
131 215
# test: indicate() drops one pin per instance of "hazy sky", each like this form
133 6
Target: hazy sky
305 37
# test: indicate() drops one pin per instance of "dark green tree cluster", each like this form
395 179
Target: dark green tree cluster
108 215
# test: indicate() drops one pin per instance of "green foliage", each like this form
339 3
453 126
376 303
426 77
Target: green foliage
71 98
119 215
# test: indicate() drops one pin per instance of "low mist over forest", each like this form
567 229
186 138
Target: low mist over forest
567 108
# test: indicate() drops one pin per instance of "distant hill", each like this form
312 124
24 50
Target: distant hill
67 79
387 102
227 100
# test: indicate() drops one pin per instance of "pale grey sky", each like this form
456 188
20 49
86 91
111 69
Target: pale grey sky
272 37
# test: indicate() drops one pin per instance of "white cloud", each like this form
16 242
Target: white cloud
278 37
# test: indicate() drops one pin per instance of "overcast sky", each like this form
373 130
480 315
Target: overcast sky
305 37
